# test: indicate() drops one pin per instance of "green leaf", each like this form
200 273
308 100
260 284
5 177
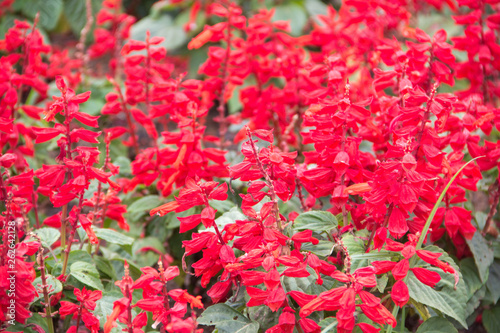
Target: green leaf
55 285
7 22
491 319
315 7
118 266
48 236
293 13
382 283
483 255
437 325
141 207
252 327
264 315
353 244
148 258
76 13
447 300
87 274
496 250
50 10
144 204
299 284
328 325
230 217
226 319
222 206
374 255
475 301
74 256
162 26
494 281
480 218
316 220
112 236
104 266
124 164
359 258
322 249
471 276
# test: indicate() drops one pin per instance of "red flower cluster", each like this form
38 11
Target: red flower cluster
87 299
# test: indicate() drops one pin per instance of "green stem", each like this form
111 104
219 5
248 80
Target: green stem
403 320
48 312
394 314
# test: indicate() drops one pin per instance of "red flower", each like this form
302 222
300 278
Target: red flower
399 293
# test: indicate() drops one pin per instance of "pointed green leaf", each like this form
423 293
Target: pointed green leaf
76 13
87 274
471 276
252 327
382 283
328 325
162 26
112 236
322 249
491 319
48 236
144 204
292 12
494 281
437 325
226 319
483 255
316 221
49 10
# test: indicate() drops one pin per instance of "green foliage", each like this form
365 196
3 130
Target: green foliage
285 11
48 236
227 320
112 236
50 11
87 274
328 325
76 13
163 26
315 221
491 319
483 255
437 325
